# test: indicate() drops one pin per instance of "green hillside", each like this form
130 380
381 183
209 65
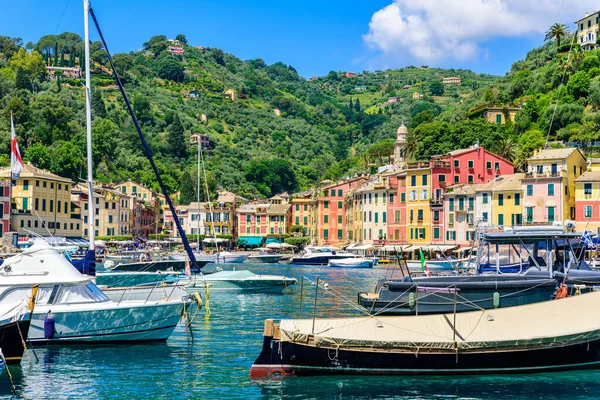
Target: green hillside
329 127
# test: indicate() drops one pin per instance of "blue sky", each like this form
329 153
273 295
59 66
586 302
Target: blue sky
313 36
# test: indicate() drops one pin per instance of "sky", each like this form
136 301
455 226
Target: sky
317 36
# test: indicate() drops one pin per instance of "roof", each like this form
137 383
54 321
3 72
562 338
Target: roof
459 190
503 183
589 176
336 184
194 206
554 154
31 171
589 15
229 197
278 209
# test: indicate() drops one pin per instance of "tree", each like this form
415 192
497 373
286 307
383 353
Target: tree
170 68
123 62
529 141
67 159
9 46
142 108
22 80
579 84
156 44
271 175
506 148
181 37
176 138
589 62
436 88
357 105
557 31
383 149
423 117
31 63
38 154
187 188
98 107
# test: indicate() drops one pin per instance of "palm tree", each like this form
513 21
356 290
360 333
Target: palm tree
410 147
506 148
557 31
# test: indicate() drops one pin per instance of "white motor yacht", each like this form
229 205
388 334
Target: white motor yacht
71 308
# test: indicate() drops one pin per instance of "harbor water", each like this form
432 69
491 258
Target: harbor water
216 363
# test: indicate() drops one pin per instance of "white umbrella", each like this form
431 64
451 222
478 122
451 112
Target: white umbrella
274 245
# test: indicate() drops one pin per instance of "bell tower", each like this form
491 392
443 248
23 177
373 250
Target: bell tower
399 146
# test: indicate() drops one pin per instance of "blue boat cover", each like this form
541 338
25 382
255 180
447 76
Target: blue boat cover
87 265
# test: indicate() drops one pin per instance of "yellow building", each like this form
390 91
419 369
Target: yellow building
302 211
506 193
41 203
498 115
112 211
587 31
418 192
417 96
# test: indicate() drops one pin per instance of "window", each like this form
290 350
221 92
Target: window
412 195
587 189
488 165
391 197
326 233
376 217
517 199
370 216
419 215
333 192
587 211
461 203
500 199
551 189
424 180
51 205
497 166
297 220
551 214
456 164
471 203
498 118
384 197
339 219
412 215
340 204
325 204
325 219
436 215
442 178
424 194
451 219
305 220
258 219
37 183
413 180
529 190
470 178
306 207
97 222
376 197
451 235
44 185
58 204
484 198
25 203
529 214
500 219
451 204
397 216
26 184
436 233
384 217
484 217
51 185
340 192
456 179
471 164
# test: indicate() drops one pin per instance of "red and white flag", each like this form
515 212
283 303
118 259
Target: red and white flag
16 162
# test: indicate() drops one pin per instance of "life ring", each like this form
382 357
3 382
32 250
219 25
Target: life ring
561 292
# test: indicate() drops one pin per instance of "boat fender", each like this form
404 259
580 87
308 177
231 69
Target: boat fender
496 300
49 326
412 300
109 264
197 299
561 291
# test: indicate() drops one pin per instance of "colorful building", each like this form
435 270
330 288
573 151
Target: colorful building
587 204
331 211
252 222
303 214
459 214
498 115
588 31
5 210
196 217
549 185
41 203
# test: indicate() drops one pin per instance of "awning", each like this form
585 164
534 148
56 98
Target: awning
250 240
417 247
440 247
364 247
395 247
465 248
213 240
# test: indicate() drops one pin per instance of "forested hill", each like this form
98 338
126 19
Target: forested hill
281 132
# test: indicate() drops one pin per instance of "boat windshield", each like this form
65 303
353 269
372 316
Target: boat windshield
79 293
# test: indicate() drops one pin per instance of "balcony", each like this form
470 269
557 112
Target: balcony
441 164
436 201
417 165
546 174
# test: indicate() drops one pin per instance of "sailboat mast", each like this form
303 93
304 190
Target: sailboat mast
88 117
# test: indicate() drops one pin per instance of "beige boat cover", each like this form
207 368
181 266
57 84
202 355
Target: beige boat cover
552 323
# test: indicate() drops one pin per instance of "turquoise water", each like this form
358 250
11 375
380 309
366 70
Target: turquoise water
215 365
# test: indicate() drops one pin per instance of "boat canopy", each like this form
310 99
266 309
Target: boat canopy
550 323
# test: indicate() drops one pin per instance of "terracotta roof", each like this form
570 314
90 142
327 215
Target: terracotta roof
278 209
31 171
503 183
553 154
460 190
589 176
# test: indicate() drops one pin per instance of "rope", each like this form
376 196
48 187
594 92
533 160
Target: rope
24 344
10 378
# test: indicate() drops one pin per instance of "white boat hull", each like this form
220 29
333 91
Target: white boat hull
352 263
145 293
241 281
108 322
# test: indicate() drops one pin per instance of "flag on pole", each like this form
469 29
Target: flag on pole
587 239
423 264
188 271
16 162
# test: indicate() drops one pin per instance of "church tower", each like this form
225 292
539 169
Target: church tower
399 146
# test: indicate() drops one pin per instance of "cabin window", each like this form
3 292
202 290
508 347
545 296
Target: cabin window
79 294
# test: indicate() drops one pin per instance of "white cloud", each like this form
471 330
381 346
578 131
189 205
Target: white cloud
430 30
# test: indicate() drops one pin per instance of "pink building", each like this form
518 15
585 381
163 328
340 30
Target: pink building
396 211
4 207
331 211
175 50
